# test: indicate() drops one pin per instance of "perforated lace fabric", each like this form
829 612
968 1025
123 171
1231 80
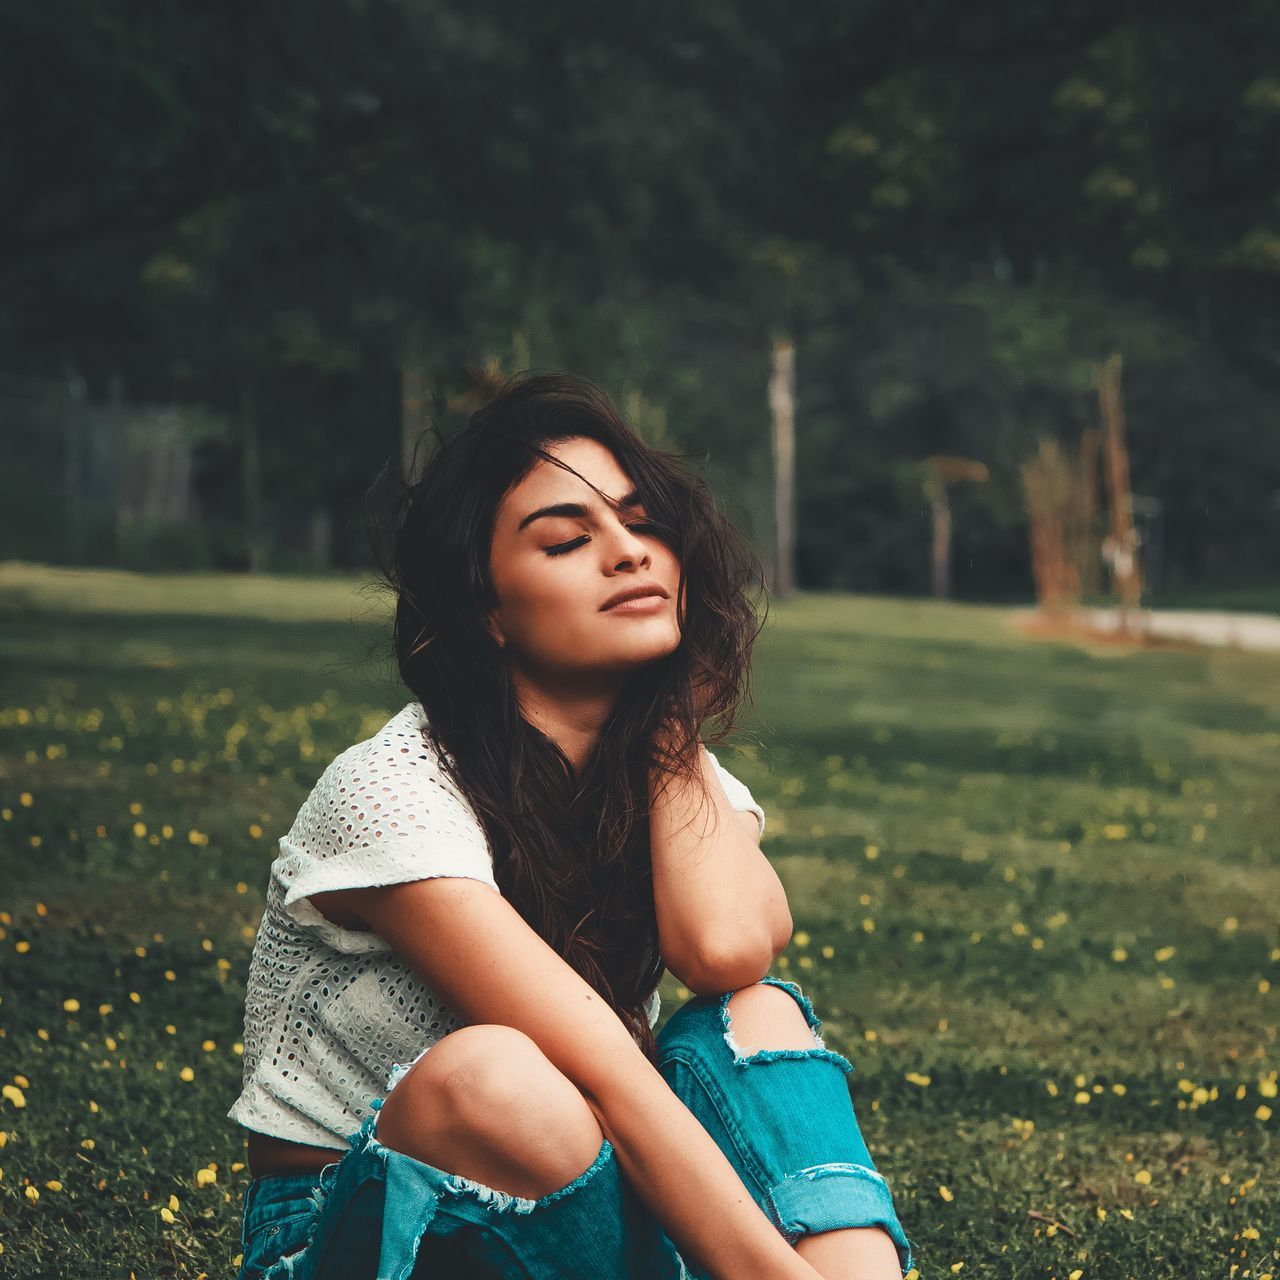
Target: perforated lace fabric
332 1015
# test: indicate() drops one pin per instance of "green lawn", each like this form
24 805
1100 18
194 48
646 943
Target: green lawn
1035 889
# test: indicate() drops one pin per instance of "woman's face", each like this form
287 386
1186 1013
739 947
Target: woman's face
554 572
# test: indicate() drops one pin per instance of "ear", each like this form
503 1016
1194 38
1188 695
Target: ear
495 629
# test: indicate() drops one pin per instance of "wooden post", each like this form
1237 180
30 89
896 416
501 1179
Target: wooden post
941 471
782 388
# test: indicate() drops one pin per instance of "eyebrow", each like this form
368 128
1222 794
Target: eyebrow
576 509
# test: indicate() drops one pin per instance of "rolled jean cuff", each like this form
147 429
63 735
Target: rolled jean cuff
829 1197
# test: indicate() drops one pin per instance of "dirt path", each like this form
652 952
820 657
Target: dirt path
1255 631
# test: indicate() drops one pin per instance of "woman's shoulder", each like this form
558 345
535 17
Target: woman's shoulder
394 775
400 746
384 811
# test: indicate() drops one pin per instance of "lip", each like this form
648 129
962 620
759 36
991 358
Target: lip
647 594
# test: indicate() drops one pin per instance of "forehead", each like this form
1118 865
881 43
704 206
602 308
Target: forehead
547 483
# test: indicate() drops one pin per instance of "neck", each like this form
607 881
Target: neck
571 716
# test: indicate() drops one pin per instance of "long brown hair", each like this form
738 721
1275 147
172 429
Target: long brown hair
570 847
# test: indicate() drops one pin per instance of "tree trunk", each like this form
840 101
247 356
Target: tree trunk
941 505
1122 545
782 387
251 477
414 404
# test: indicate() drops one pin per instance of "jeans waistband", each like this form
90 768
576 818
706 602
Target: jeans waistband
275 1188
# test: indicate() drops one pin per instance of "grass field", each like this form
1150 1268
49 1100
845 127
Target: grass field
1035 889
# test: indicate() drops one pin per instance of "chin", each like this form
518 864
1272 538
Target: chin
641 654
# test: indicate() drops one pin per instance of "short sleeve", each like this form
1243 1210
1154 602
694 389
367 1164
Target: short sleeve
382 813
739 796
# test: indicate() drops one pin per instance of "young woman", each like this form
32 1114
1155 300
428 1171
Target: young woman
450 1061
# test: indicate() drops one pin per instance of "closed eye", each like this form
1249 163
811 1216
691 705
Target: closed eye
563 547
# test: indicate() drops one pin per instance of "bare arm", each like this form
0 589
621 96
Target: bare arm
722 911
471 946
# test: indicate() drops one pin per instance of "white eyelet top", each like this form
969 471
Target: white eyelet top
332 1016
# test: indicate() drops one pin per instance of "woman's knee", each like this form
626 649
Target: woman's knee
768 1016
491 1085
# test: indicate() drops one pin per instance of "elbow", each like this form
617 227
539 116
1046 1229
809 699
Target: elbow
782 931
727 966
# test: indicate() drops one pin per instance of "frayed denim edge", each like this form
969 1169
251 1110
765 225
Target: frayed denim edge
366 1139
821 1053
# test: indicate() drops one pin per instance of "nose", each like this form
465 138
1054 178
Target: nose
627 548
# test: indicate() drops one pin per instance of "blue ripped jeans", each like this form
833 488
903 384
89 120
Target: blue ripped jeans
783 1117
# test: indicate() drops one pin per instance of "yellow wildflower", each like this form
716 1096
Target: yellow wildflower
946 1194
71 1005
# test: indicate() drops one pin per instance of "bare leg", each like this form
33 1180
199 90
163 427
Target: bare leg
765 1017
485 1103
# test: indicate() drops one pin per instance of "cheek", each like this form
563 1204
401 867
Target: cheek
544 604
